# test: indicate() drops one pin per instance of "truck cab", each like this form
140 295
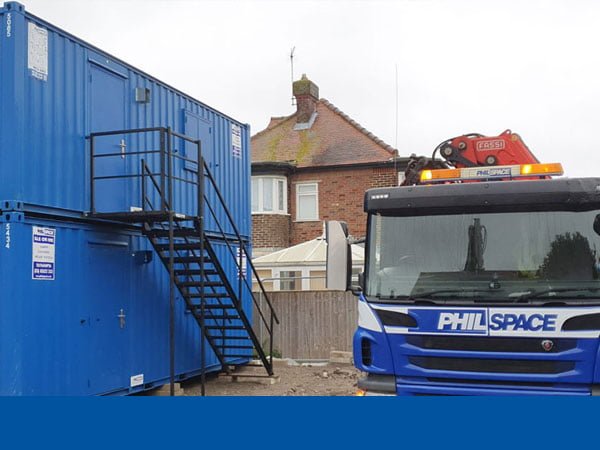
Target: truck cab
478 288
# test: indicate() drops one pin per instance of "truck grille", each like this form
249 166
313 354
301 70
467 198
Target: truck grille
489 344
492 365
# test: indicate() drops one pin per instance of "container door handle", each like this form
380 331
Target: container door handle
121 318
123 146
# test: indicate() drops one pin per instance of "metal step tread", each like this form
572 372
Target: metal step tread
216 306
206 295
189 259
230 318
192 272
226 327
179 232
229 338
239 347
178 246
199 283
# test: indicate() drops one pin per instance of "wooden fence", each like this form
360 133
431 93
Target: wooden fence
312 323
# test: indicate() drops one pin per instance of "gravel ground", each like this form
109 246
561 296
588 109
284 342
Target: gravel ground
294 380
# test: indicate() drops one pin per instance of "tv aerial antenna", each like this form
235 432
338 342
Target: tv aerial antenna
292 67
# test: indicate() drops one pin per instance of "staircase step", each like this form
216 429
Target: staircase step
190 259
237 356
249 347
193 272
217 306
226 327
229 338
178 246
210 309
206 295
199 283
221 317
180 232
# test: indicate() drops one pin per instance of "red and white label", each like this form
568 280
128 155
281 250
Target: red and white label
492 144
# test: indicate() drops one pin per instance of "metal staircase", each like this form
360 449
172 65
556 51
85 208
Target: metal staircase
196 259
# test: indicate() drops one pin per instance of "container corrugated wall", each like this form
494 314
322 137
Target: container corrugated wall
63 336
46 118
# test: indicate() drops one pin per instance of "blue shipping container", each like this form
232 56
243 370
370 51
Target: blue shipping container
63 336
56 90
85 307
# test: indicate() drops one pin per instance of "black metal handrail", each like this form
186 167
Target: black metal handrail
164 189
146 170
198 289
239 238
243 250
165 161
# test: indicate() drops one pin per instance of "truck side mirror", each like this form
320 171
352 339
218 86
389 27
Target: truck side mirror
339 264
360 287
596 225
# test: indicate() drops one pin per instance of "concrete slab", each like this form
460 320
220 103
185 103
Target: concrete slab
339 357
248 377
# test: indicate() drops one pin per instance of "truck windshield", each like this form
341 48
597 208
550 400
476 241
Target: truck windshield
508 257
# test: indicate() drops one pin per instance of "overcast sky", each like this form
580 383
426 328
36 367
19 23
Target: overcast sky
463 66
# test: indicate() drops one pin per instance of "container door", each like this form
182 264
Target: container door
109 303
107 113
198 128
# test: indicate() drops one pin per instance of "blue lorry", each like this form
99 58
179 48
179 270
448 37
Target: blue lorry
482 283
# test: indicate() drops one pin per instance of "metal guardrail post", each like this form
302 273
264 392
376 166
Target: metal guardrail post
92 174
163 203
171 258
241 271
271 333
171 305
202 273
143 172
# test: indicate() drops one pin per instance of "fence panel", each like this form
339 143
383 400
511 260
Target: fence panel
313 323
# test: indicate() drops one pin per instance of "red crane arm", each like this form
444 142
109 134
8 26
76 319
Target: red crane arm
471 150
477 150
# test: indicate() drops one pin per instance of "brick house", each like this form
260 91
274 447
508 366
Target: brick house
314 166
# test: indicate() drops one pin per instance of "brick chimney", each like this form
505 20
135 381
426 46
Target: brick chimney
307 95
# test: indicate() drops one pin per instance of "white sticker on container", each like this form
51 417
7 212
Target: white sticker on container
236 140
136 380
37 51
8 25
43 254
7 236
244 262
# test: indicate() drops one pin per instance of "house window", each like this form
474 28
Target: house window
290 280
307 201
269 195
317 280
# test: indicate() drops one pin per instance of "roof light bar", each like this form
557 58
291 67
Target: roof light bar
491 172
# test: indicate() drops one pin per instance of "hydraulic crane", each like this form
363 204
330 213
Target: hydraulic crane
471 150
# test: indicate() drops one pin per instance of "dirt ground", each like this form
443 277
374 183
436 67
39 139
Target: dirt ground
294 380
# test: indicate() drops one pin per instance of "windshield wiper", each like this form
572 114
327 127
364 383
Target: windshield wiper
534 294
447 291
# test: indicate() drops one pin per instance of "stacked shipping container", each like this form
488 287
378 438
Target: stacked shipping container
81 310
